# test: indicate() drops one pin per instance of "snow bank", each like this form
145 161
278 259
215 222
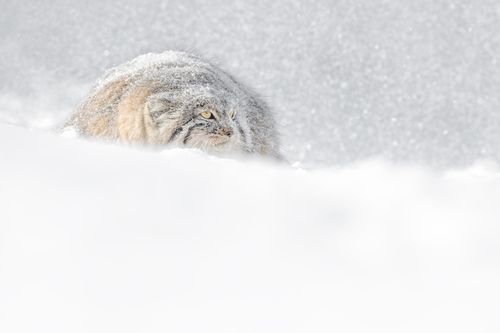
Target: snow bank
100 238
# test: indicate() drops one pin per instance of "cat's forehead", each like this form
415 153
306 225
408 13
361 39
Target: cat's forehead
185 94
186 75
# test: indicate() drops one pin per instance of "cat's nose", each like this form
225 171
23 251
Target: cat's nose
226 131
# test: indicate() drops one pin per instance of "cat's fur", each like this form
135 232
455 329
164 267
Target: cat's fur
158 99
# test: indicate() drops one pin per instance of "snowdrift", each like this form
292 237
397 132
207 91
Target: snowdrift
103 238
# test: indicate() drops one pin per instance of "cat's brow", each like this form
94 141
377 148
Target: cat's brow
209 106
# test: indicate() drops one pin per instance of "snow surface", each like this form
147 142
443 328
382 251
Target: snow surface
102 238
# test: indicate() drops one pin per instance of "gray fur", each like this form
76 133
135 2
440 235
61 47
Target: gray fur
181 87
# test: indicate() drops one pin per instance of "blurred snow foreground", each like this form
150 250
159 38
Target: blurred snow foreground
100 238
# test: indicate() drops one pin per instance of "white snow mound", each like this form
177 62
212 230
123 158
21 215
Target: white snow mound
100 238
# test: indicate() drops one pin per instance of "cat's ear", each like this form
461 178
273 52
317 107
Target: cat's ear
160 107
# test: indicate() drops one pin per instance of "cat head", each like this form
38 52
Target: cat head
208 118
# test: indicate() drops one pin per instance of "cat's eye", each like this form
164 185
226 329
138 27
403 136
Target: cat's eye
207 115
232 114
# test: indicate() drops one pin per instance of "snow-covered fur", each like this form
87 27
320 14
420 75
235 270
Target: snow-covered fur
178 99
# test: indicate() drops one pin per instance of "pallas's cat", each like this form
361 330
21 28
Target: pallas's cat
178 99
